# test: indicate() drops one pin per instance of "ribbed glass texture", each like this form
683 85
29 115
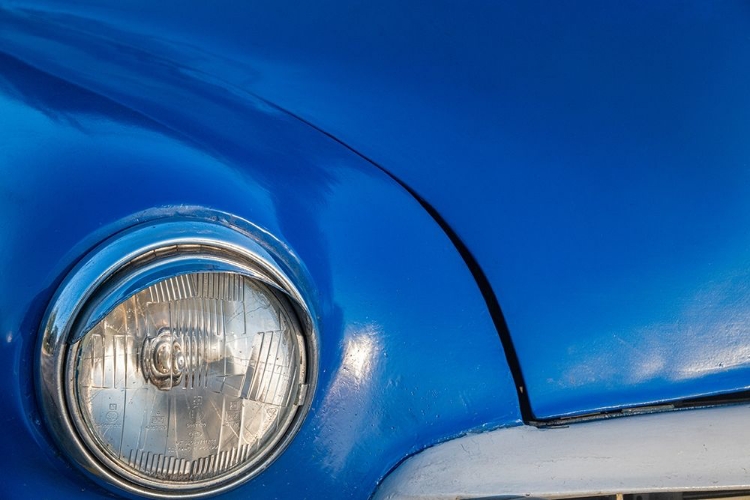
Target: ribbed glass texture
191 378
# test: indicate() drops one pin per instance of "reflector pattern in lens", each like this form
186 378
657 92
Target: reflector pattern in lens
192 377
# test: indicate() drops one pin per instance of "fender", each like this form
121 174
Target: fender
409 353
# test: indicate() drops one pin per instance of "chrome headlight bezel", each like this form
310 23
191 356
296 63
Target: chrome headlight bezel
122 266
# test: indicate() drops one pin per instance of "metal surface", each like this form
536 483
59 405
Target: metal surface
592 156
408 353
701 450
115 270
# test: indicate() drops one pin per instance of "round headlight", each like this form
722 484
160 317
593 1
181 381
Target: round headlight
177 359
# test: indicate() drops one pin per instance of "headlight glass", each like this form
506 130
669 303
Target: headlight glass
177 359
190 378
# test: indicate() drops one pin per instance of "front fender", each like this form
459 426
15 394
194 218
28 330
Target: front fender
409 353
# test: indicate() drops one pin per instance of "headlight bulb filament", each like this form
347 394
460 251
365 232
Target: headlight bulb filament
163 360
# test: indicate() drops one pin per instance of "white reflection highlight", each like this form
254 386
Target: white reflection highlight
358 355
711 334
349 403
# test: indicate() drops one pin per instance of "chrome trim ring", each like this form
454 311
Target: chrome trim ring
115 270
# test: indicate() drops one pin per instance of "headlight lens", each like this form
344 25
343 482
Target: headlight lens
191 378
177 367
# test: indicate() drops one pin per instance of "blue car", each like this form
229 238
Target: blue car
387 250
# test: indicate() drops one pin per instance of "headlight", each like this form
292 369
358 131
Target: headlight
177 359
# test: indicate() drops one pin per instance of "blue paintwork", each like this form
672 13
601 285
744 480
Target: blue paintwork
593 156
409 356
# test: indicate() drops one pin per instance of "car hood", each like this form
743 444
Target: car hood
592 158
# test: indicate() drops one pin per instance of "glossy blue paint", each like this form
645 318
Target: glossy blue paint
409 354
591 155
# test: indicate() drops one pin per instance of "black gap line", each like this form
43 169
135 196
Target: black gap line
490 300
480 278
